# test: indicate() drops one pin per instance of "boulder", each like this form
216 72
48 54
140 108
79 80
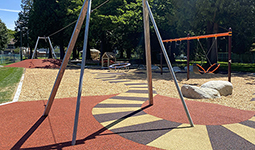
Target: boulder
195 92
224 87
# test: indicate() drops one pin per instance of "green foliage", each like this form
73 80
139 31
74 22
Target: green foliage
3 35
200 17
119 24
9 77
11 34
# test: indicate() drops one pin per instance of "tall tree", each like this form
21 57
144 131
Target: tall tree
22 25
42 19
3 35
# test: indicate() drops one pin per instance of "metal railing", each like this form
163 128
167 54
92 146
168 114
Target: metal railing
9 58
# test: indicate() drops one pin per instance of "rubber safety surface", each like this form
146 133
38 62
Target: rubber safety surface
165 124
125 121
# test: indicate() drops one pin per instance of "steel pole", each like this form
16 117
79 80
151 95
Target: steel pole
229 55
20 50
82 73
147 50
67 56
169 64
52 49
35 47
161 62
188 47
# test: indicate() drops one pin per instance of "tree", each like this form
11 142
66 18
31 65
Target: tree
11 34
206 17
3 35
46 18
42 20
21 28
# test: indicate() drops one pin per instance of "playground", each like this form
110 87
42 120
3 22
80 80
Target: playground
115 113
66 106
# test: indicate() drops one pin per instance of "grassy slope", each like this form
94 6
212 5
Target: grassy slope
9 78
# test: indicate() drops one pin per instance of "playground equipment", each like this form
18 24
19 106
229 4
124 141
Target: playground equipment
120 66
51 47
108 57
200 69
215 66
86 9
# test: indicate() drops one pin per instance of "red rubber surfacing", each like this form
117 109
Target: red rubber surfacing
37 63
201 113
22 127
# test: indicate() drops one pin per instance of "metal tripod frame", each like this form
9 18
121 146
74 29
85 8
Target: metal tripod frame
86 9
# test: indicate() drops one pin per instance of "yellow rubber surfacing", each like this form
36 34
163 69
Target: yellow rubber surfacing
121 101
97 111
130 121
184 137
245 132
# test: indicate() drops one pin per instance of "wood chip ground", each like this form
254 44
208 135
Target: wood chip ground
38 83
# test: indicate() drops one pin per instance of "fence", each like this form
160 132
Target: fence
9 58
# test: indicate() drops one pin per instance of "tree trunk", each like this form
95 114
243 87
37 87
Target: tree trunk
75 53
62 51
171 52
212 50
128 53
31 53
88 56
102 45
50 53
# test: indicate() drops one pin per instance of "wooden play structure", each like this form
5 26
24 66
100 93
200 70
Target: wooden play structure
107 59
214 66
86 11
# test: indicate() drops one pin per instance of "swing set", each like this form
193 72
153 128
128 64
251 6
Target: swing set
213 67
51 47
85 12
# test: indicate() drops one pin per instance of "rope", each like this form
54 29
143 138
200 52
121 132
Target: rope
100 5
76 20
208 50
62 29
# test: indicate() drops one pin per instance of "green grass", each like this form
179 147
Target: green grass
238 67
9 78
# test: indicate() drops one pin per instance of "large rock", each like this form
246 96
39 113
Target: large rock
195 92
224 87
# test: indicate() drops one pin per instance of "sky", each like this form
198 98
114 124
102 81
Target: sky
9 10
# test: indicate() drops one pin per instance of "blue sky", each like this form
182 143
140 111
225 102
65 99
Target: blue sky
9 12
